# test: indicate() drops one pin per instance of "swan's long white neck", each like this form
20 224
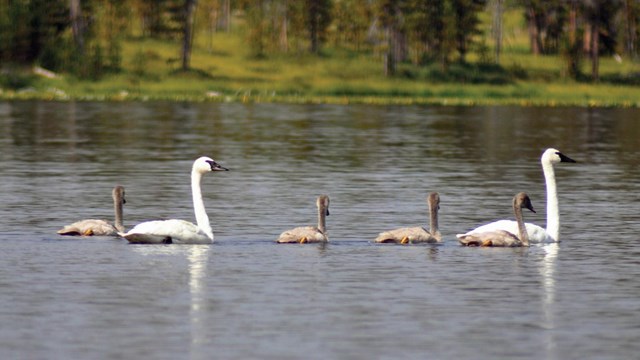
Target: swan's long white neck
198 204
553 213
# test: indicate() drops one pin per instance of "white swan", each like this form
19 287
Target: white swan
503 238
97 227
536 233
309 234
416 234
179 231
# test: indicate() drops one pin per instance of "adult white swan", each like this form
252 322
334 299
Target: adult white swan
309 234
501 238
179 231
97 227
418 234
536 233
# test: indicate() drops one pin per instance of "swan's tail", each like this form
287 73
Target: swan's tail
469 240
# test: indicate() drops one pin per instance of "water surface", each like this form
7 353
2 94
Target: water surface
246 297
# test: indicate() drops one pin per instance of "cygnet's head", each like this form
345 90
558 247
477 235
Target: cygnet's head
323 203
522 200
118 194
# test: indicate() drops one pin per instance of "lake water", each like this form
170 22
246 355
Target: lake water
247 297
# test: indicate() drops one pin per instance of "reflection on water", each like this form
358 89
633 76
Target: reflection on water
246 297
198 257
547 272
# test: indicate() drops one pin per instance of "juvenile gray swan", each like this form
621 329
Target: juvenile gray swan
309 234
503 238
536 233
418 234
97 227
180 231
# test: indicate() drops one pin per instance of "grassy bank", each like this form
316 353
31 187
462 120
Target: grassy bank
150 72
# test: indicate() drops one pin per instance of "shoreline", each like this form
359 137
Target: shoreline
124 96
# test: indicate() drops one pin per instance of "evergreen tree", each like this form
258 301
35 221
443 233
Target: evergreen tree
352 19
391 19
318 18
599 16
427 22
466 20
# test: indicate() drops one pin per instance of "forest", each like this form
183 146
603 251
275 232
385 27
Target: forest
436 41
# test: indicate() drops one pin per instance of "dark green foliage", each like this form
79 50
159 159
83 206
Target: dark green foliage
622 79
27 27
465 18
139 63
573 55
161 19
547 21
418 39
318 18
427 21
469 74
15 79
352 19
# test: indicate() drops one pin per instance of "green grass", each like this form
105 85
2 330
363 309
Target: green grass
229 72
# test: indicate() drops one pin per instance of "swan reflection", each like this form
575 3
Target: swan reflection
198 257
547 273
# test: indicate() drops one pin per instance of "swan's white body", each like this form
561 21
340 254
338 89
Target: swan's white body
309 234
179 231
536 233
418 234
96 227
502 238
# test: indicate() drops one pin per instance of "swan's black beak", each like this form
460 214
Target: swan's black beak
217 167
327 212
565 158
530 207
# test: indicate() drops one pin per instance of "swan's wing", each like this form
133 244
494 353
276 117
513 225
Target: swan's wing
302 234
89 227
496 238
411 234
535 232
167 232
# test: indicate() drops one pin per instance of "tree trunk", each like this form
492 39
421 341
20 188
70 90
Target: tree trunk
573 50
586 42
497 28
77 24
283 39
631 30
187 40
534 34
314 26
224 20
595 56
573 23
389 57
